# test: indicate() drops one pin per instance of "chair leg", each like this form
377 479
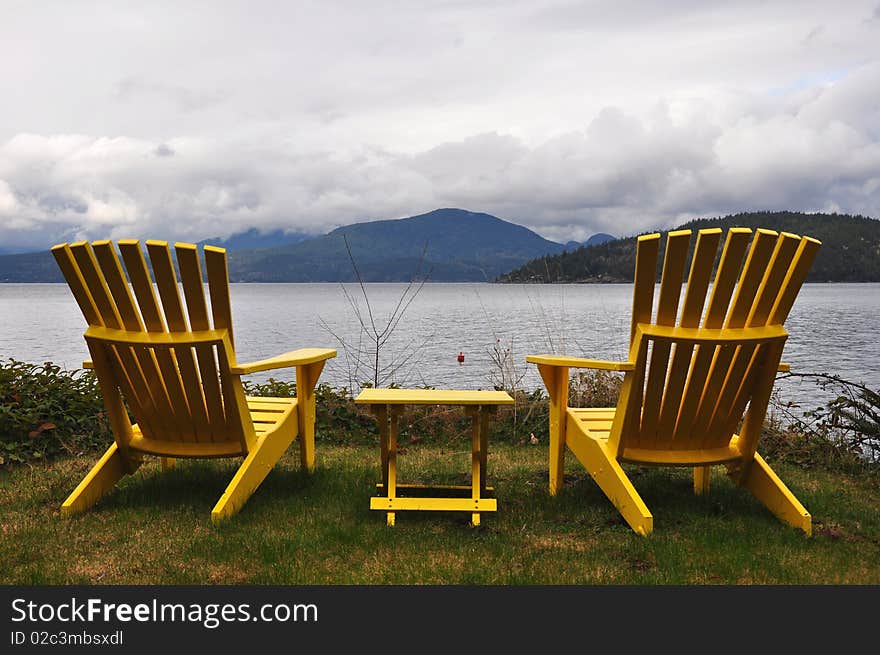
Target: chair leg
556 380
101 479
167 463
253 471
306 380
701 480
766 486
612 479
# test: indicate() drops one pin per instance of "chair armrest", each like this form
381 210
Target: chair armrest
579 362
299 357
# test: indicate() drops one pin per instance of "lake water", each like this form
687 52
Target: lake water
833 329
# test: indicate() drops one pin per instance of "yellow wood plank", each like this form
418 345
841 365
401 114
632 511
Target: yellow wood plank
578 362
700 273
729 267
702 262
269 417
407 503
674 261
157 415
139 276
187 449
598 457
463 489
148 302
104 475
218 288
803 261
735 336
702 477
768 488
740 378
117 413
197 310
556 380
306 379
268 402
644 280
128 375
235 403
300 357
433 397
64 259
88 268
113 274
166 282
753 272
772 283
628 417
256 466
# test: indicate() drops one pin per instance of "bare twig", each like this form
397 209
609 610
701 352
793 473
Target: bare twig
373 337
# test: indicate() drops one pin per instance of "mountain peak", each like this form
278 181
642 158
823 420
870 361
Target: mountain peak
447 245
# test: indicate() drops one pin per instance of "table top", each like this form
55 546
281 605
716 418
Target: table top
432 397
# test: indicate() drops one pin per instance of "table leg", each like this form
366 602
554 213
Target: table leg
476 462
391 483
381 414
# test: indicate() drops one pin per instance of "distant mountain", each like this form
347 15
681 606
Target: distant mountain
850 250
458 246
254 239
596 239
37 266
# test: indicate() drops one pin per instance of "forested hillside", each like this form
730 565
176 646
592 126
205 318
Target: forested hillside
850 250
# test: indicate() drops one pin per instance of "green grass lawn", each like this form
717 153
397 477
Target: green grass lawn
297 529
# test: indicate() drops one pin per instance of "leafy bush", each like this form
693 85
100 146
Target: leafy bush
45 410
843 433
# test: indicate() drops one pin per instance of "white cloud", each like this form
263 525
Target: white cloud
568 117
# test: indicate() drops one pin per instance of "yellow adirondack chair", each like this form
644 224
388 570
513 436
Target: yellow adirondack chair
696 383
175 373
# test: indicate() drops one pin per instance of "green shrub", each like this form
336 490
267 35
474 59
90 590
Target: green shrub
45 410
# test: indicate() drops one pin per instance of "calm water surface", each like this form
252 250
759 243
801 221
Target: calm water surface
833 329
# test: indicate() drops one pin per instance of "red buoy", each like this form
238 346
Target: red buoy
460 357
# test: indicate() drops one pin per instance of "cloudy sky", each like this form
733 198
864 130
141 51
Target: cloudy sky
185 120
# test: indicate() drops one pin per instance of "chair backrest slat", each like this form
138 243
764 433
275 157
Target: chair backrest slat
729 267
166 283
753 271
645 279
197 309
667 311
806 253
156 412
218 287
699 277
88 268
79 288
644 282
747 359
139 276
130 377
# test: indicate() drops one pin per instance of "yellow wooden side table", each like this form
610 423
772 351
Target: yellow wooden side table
387 405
